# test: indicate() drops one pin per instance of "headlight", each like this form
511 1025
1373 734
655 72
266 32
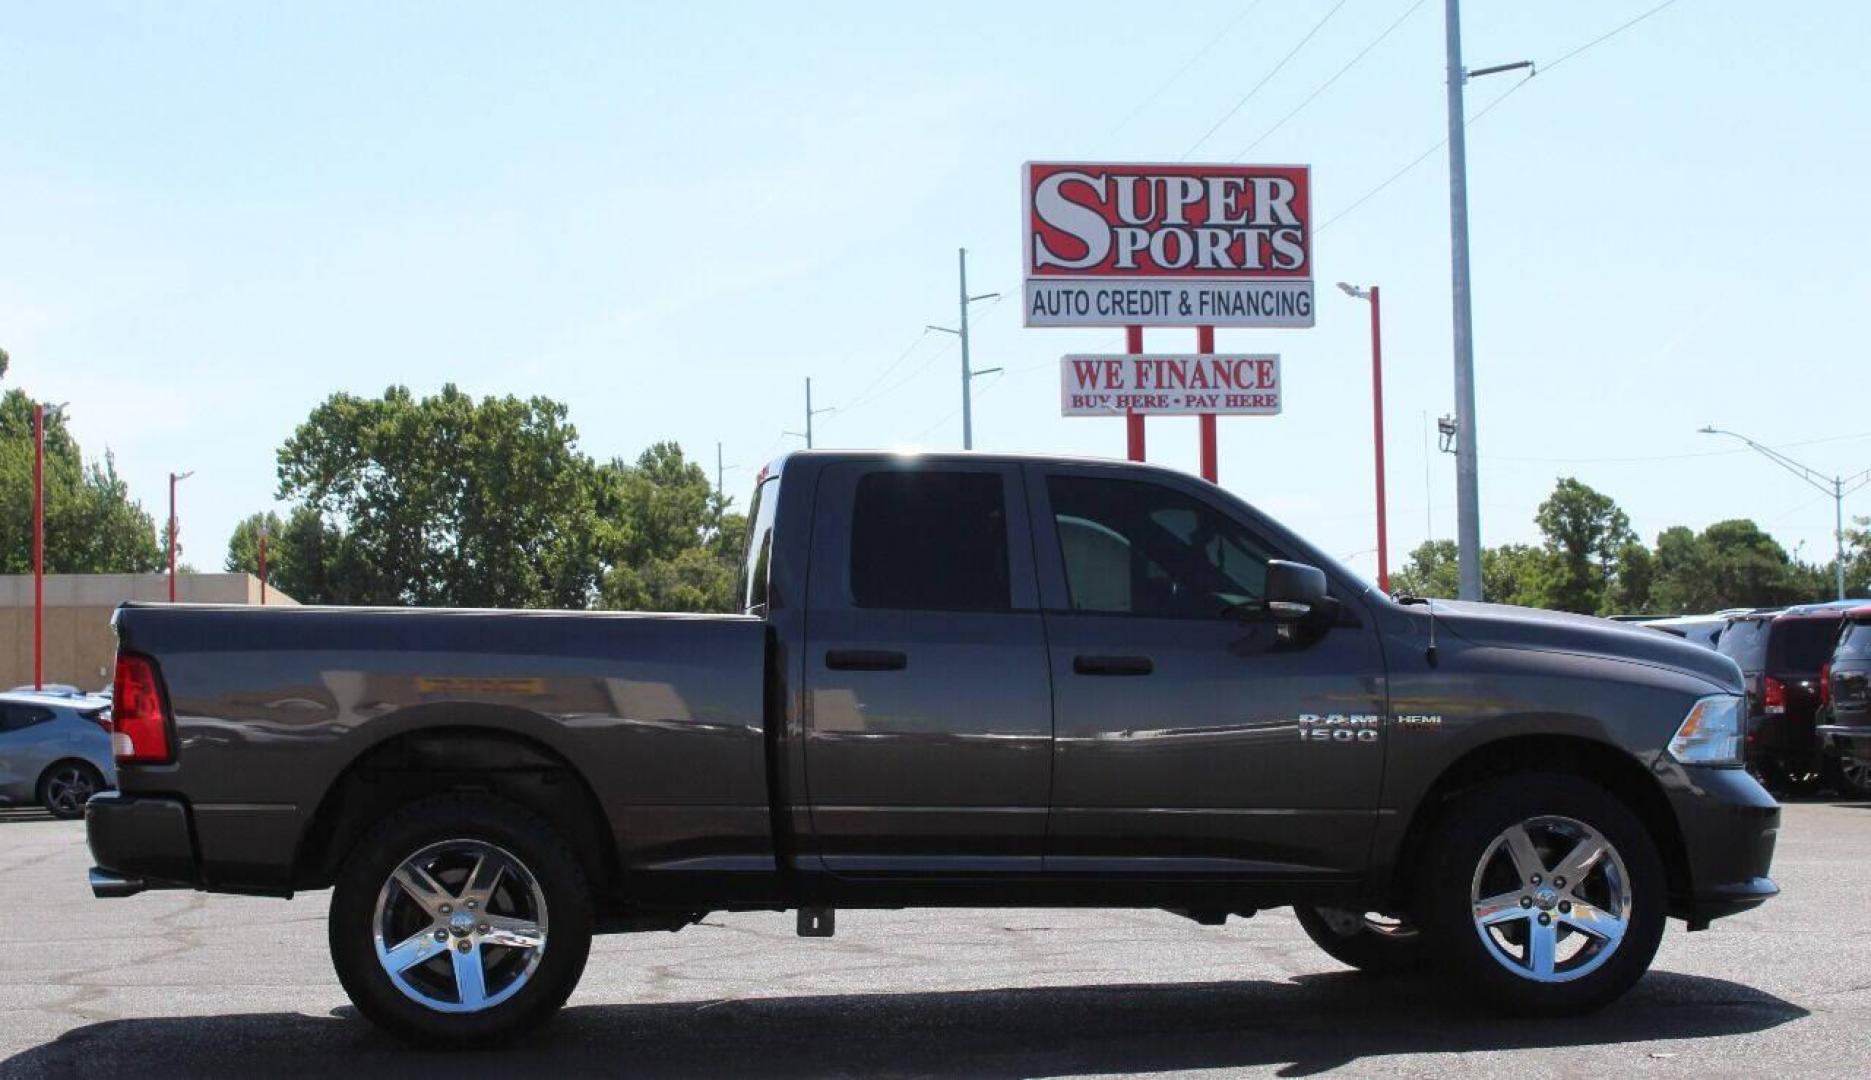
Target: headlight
1711 733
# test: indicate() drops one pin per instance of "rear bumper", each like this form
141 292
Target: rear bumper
1854 739
1729 825
140 843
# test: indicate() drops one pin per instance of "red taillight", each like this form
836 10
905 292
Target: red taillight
1773 694
139 728
1825 684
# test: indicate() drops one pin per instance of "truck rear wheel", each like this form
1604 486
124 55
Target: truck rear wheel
1372 942
1544 894
461 919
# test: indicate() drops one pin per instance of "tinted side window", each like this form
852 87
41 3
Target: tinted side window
20 717
925 540
1138 548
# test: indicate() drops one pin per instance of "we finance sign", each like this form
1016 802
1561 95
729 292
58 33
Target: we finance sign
1168 245
1237 384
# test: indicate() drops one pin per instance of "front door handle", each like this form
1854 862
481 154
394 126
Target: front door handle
1112 665
865 660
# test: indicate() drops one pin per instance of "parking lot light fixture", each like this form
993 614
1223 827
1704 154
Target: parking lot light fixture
1836 486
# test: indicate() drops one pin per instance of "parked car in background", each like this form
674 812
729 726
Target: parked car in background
54 751
1845 718
1782 656
1703 630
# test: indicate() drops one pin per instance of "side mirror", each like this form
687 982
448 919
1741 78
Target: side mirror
1295 591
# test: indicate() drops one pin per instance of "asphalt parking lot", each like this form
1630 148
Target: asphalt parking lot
188 984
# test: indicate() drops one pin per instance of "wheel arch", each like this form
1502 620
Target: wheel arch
452 754
1599 762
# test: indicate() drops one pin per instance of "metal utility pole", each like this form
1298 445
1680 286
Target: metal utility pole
810 413
968 373
174 479
1836 486
39 413
263 560
1467 473
718 472
1467 478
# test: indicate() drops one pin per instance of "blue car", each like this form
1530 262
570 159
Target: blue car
54 751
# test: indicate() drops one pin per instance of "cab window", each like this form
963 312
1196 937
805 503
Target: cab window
1137 548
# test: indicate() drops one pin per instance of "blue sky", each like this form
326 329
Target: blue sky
668 216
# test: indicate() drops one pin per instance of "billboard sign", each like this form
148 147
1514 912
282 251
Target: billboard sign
1168 245
1225 384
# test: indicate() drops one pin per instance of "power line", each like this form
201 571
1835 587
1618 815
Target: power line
1327 84
1213 41
1265 79
1440 143
1608 35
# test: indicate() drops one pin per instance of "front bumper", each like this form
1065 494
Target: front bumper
1729 825
1853 739
139 843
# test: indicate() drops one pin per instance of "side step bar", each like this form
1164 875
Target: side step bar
106 885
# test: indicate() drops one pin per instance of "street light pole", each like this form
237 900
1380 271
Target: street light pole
38 547
39 413
174 478
1836 486
1377 423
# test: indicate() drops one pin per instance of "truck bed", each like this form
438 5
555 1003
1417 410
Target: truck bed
661 713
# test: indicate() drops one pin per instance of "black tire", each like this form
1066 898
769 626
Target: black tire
66 786
1849 775
1464 857
548 874
1352 938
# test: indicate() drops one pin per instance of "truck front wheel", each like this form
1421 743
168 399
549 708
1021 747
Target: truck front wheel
461 919
1543 893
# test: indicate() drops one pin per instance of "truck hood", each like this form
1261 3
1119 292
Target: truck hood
1561 631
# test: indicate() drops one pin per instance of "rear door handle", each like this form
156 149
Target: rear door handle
865 660
1112 665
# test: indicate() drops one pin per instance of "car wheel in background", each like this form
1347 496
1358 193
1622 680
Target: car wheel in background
67 786
1370 941
461 920
1543 893
1849 776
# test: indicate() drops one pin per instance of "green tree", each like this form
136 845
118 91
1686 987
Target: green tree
1729 564
676 547
1585 533
442 500
1510 574
1632 581
92 526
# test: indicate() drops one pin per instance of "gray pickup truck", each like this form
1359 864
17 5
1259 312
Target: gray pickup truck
959 681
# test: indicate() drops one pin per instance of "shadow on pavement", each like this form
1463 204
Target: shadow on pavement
1314 1023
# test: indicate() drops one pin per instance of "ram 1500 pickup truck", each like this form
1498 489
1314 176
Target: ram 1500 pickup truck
958 680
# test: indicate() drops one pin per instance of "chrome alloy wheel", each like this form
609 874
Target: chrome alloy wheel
1551 899
460 926
68 789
